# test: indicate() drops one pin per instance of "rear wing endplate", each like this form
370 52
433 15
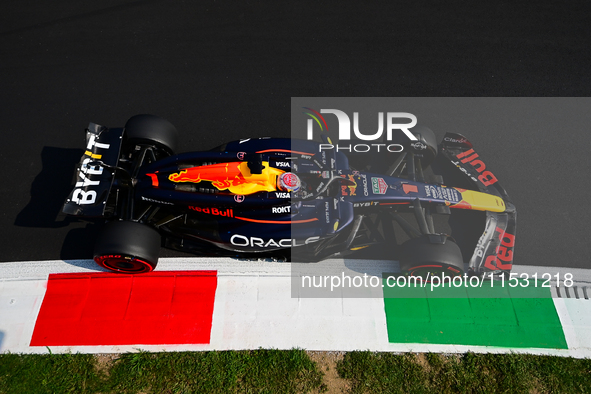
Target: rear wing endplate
93 178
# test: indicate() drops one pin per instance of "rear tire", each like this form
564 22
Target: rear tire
127 247
153 130
420 257
426 146
428 138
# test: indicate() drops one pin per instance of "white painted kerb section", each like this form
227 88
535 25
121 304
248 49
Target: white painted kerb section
254 309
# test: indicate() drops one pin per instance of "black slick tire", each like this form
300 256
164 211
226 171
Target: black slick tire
151 129
127 247
423 258
425 147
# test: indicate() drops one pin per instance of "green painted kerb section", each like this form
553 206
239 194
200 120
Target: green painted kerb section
505 317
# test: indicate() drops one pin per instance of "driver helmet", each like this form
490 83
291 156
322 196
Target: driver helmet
288 182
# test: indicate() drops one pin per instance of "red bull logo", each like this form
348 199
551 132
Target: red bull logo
213 211
486 177
352 188
233 176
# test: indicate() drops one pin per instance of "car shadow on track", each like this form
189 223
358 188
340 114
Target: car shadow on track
79 242
49 190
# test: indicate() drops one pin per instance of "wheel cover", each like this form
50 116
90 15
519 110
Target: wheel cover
124 264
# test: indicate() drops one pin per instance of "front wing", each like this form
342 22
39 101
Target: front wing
494 250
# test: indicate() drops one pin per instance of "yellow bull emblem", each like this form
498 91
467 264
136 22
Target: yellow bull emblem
233 176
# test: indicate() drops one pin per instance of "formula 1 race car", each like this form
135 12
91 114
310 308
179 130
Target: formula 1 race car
283 196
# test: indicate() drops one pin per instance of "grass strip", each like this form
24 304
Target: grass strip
369 372
47 373
264 371
292 371
260 371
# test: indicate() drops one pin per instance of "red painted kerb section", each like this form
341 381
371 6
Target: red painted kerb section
157 308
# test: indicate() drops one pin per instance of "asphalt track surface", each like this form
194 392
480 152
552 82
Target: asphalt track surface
226 70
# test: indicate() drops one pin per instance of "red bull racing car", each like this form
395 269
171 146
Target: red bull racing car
283 196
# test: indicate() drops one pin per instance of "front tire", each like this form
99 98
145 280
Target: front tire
127 247
423 258
152 130
425 147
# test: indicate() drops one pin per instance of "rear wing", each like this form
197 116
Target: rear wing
93 176
494 250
